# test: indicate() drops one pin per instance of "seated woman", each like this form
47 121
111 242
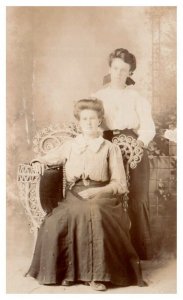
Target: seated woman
86 238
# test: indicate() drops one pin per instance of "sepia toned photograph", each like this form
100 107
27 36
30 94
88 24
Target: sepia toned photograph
91 102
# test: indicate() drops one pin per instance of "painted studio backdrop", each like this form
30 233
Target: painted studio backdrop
57 55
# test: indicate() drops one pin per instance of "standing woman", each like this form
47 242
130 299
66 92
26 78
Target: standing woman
128 113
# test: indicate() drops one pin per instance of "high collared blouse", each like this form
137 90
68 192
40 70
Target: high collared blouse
98 160
126 108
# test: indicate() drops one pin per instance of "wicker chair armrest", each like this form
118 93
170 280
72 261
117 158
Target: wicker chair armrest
131 151
28 181
132 154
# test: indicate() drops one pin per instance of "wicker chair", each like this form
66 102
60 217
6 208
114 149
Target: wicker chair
40 194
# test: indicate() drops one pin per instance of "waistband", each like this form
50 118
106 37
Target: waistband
108 134
87 183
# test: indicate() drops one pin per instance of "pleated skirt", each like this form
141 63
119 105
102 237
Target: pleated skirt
85 240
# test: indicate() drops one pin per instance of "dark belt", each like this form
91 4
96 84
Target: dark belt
109 134
90 182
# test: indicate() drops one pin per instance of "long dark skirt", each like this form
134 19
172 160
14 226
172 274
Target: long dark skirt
138 207
85 240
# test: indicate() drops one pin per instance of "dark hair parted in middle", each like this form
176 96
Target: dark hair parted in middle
126 56
91 103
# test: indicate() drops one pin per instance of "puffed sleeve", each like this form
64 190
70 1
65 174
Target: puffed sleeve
56 156
117 171
146 130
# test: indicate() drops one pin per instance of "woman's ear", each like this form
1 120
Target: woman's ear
100 122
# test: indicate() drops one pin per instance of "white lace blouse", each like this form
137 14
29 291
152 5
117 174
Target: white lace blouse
126 108
99 159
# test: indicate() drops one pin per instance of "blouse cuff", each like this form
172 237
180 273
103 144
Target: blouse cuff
119 188
146 136
39 160
34 161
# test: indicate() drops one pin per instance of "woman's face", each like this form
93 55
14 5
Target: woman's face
89 121
119 71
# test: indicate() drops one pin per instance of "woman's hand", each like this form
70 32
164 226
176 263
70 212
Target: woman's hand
38 167
90 193
141 144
